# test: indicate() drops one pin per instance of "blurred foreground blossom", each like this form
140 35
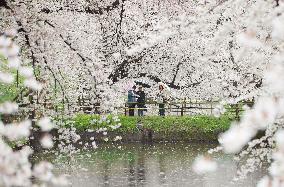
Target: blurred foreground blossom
60 181
26 71
263 113
242 135
14 62
265 182
45 124
94 145
249 39
218 110
278 28
43 171
203 164
16 131
46 141
6 78
276 169
16 169
8 107
33 84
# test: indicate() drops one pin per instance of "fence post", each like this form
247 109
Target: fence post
181 112
17 78
125 109
190 103
170 107
184 106
237 112
211 107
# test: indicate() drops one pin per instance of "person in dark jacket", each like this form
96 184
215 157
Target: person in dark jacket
141 101
131 99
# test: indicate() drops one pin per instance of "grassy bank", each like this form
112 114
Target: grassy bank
204 128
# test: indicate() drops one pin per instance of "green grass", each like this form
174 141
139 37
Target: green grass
9 91
188 127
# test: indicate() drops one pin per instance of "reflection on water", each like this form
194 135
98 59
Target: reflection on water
145 165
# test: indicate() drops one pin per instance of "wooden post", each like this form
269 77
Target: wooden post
182 108
237 112
17 78
33 138
185 106
55 94
181 112
190 103
211 107
170 105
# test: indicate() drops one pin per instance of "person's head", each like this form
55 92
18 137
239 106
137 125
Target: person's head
140 88
161 87
134 87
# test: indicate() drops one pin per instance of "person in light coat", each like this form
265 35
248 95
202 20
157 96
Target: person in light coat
162 97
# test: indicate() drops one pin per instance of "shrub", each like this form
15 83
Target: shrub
198 127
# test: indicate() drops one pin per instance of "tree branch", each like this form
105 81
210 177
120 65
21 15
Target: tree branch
88 9
176 72
170 84
53 74
3 3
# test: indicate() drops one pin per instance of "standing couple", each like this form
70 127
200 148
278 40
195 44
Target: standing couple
136 98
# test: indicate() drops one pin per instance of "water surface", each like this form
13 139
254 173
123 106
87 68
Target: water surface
163 164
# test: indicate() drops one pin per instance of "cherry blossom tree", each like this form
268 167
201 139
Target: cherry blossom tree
223 49
17 170
256 31
106 44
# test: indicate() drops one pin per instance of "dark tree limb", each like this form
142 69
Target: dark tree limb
28 43
88 9
59 83
231 45
170 84
84 59
122 69
3 3
219 4
21 94
176 72
119 33
101 10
